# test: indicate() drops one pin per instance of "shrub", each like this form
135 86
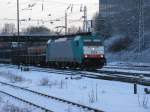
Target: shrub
44 81
11 108
15 78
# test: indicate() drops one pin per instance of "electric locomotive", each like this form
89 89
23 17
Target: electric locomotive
80 51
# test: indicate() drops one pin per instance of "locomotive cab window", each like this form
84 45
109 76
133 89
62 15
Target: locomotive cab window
93 43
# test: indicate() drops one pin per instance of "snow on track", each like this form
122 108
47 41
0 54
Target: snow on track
112 96
126 71
41 99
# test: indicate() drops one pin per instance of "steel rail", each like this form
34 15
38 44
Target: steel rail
125 73
118 77
142 68
102 74
27 102
55 98
106 75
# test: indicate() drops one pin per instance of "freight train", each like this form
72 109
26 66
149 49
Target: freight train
85 52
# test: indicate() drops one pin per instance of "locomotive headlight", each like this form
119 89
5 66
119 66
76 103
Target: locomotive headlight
86 56
102 56
93 48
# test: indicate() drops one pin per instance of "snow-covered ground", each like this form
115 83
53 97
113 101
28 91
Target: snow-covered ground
109 96
128 64
9 104
129 56
132 67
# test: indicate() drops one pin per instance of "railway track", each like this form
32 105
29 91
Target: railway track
59 101
131 71
141 78
25 101
119 77
146 68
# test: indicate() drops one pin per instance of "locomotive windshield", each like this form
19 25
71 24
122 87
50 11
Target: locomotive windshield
92 43
93 47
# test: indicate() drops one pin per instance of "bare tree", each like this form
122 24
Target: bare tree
73 30
37 30
8 29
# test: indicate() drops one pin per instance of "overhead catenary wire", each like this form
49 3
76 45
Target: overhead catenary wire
31 5
6 2
66 3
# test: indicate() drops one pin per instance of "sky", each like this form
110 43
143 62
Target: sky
40 12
